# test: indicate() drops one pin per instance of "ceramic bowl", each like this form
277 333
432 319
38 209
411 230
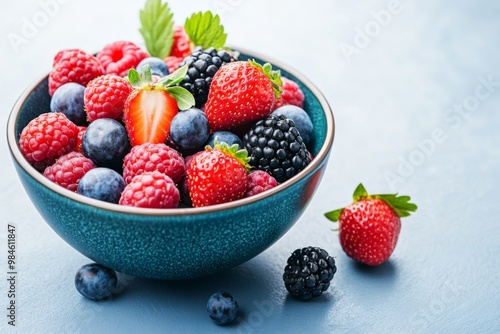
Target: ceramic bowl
173 243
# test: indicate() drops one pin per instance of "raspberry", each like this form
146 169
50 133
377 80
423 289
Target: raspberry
150 157
259 181
181 46
292 94
46 138
105 97
68 170
118 57
173 63
81 132
151 190
73 65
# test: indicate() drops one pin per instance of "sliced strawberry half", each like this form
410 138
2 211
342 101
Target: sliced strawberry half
150 107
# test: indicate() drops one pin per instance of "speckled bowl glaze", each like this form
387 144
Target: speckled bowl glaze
173 243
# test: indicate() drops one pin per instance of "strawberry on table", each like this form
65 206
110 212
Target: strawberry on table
241 92
217 175
369 228
150 107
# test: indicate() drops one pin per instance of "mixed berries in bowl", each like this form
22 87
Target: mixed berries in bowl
170 162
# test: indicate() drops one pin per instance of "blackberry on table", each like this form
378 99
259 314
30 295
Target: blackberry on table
308 272
274 145
203 64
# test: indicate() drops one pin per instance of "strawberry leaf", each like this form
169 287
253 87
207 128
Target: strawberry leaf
334 215
141 80
205 30
146 76
182 96
157 28
233 151
273 75
174 78
400 204
134 78
360 193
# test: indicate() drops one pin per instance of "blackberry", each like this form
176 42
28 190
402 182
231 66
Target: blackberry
203 64
308 272
274 145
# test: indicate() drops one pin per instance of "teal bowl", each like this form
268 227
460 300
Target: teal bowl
178 243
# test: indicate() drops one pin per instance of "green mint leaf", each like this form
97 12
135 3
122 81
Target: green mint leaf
360 193
174 78
157 28
184 98
334 215
205 30
134 78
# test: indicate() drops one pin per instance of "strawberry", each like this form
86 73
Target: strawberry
241 93
369 228
217 175
150 107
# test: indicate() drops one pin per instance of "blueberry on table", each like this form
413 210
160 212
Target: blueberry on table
224 137
157 66
68 99
189 129
103 184
222 308
106 143
95 281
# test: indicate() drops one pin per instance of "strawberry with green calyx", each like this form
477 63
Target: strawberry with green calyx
217 175
150 107
240 93
369 228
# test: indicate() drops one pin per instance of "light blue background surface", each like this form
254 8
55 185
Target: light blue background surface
397 131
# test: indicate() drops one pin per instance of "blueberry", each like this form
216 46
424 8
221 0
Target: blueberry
301 119
226 137
103 184
68 99
189 129
157 65
95 281
106 143
222 308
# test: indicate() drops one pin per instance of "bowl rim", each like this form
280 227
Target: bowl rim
315 163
